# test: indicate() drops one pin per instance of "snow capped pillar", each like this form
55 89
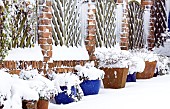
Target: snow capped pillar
147 4
45 29
125 27
91 40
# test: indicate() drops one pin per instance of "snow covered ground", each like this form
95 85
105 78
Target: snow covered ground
152 93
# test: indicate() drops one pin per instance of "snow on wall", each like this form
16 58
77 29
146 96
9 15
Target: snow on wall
69 53
26 54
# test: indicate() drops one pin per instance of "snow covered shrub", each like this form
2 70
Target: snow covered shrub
89 72
145 54
13 90
44 87
162 65
137 64
67 80
113 57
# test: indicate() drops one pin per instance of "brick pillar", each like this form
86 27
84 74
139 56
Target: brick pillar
45 29
148 4
91 40
125 26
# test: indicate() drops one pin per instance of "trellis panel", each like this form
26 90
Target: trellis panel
160 22
66 22
105 23
136 30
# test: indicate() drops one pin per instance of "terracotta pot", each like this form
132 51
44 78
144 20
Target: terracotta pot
148 71
42 104
15 71
115 77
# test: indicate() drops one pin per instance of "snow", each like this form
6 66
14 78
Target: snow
26 54
144 94
164 50
70 53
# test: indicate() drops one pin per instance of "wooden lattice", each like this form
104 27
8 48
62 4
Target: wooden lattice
135 13
160 22
105 23
66 22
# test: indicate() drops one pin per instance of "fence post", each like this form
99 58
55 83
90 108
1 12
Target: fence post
45 29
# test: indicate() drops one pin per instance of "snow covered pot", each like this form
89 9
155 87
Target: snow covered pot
90 77
67 85
150 63
43 86
114 62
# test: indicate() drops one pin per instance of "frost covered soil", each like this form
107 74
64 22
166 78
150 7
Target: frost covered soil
151 93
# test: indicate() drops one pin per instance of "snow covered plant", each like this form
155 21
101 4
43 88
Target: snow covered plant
162 65
13 90
44 87
145 54
67 80
137 64
113 57
89 72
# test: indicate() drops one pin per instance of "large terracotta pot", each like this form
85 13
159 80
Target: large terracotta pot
148 71
42 104
115 77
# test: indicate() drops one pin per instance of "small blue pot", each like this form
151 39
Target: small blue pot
131 77
64 98
90 87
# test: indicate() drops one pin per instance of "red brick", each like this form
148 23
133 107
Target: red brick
90 38
45 22
45 28
45 47
49 41
46 59
48 3
45 34
49 53
42 41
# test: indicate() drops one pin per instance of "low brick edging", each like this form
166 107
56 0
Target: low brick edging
57 66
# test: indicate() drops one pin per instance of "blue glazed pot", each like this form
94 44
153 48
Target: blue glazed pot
131 77
64 98
90 87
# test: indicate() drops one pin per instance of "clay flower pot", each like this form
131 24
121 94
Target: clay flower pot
148 71
42 104
115 77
